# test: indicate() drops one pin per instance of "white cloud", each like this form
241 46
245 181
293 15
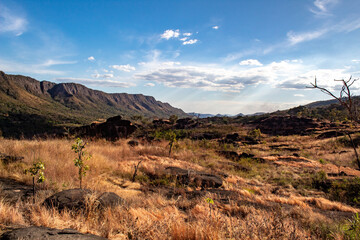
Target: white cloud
10 22
124 68
187 34
215 27
299 95
108 75
294 38
91 58
286 74
149 85
183 39
170 34
191 41
355 61
52 62
322 7
250 62
102 83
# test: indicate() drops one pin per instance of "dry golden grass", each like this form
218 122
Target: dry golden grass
254 213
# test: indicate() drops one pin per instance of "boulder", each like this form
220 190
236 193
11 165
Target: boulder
109 199
191 177
44 233
75 199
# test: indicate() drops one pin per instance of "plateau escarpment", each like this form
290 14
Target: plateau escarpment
26 102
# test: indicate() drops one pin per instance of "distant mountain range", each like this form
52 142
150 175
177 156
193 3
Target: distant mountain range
28 103
205 115
202 115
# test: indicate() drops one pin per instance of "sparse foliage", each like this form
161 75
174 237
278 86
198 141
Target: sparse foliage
82 156
36 171
255 134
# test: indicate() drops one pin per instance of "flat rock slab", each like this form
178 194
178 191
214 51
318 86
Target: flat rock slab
76 199
43 233
13 191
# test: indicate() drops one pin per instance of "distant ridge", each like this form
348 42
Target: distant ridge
27 101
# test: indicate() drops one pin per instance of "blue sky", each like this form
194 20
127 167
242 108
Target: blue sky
207 56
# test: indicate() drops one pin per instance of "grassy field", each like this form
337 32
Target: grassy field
291 189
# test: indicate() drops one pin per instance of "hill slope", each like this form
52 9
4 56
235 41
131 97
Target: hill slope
26 102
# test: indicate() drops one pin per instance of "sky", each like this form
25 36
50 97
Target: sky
204 56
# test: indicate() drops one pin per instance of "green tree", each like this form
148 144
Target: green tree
82 156
37 170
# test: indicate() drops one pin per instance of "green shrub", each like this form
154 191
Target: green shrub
347 191
352 228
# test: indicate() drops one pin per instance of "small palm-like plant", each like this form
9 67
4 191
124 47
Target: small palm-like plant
36 171
171 137
82 156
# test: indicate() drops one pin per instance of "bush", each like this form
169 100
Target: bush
347 191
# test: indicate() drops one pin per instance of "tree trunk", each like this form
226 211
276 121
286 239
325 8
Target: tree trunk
354 147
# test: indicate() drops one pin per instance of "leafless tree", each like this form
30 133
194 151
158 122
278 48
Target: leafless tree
136 167
346 100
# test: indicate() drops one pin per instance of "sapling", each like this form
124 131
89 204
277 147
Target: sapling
171 137
36 171
82 156
210 201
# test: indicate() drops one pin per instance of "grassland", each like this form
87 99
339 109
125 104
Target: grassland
276 195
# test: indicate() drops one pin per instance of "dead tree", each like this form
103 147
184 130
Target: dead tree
346 100
136 167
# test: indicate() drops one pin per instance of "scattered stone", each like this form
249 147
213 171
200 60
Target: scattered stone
6 159
239 167
232 155
133 143
190 177
44 233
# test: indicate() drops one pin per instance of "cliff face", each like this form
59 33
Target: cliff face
70 103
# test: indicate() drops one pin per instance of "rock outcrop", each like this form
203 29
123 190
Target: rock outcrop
289 125
113 129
